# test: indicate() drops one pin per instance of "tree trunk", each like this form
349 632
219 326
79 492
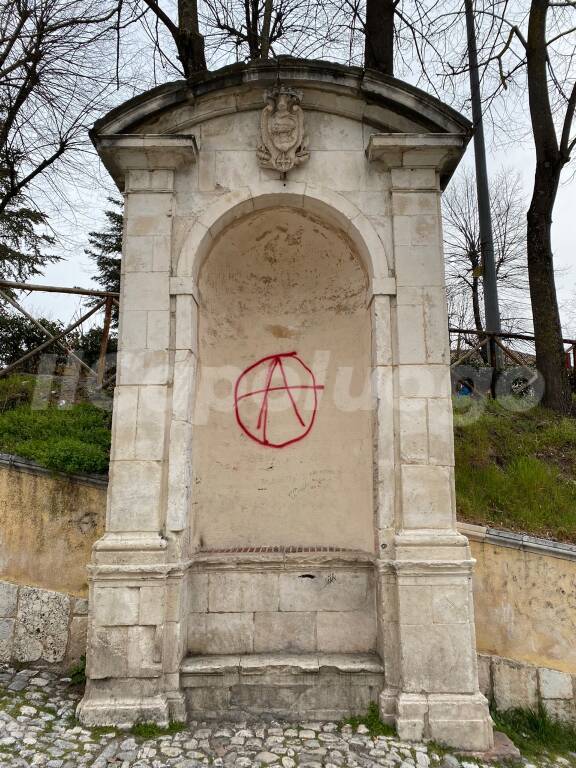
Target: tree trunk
550 358
549 162
379 36
265 36
189 41
476 304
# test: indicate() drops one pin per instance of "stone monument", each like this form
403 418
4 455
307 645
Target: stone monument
281 535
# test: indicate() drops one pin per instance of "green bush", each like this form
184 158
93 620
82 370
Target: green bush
16 390
78 673
73 440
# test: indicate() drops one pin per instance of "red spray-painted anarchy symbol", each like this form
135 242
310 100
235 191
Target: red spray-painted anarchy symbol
272 370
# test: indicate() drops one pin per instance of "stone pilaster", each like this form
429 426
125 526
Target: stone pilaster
425 567
138 572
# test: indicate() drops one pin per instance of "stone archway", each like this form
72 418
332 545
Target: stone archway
330 206
378 157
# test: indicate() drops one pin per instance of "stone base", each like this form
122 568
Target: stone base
461 721
103 708
280 686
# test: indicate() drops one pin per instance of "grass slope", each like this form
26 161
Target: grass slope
74 439
518 471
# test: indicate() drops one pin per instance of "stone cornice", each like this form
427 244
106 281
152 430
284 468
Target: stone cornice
379 99
439 151
122 153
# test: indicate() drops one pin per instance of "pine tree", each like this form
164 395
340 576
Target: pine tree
106 251
22 242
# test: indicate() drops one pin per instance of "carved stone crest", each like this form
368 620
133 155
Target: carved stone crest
282 126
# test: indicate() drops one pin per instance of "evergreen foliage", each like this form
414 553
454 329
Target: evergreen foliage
106 252
23 244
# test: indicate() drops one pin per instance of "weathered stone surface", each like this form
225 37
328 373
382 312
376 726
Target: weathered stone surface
41 630
80 606
485 675
554 684
6 636
345 591
116 606
242 592
274 631
515 685
346 632
282 685
8 599
76 647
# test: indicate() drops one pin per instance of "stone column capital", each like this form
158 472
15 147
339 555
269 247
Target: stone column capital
131 157
439 152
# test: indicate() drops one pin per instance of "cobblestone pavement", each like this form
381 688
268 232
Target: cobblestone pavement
38 728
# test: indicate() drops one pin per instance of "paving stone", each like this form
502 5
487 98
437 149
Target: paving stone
31 737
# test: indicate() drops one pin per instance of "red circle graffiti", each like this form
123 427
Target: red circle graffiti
268 366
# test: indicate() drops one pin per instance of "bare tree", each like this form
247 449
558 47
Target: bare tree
463 253
184 31
226 31
379 35
53 80
528 68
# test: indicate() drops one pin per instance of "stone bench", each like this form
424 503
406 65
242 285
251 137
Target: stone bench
284 686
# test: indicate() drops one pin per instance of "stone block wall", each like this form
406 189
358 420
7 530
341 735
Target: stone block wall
289 608
513 684
41 627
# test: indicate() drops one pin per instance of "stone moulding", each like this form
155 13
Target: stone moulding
434 150
205 561
521 541
25 465
325 203
330 685
377 90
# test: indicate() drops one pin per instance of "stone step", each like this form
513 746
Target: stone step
321 686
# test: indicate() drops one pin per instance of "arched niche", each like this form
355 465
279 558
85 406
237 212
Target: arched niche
275 282
331 207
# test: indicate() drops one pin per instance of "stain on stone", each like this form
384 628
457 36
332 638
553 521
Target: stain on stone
282 331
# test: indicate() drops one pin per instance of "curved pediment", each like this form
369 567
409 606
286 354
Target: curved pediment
382 103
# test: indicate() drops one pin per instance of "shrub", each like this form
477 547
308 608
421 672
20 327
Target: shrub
75 439
16 390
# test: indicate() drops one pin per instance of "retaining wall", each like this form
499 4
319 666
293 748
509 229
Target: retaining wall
524 597
49 522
